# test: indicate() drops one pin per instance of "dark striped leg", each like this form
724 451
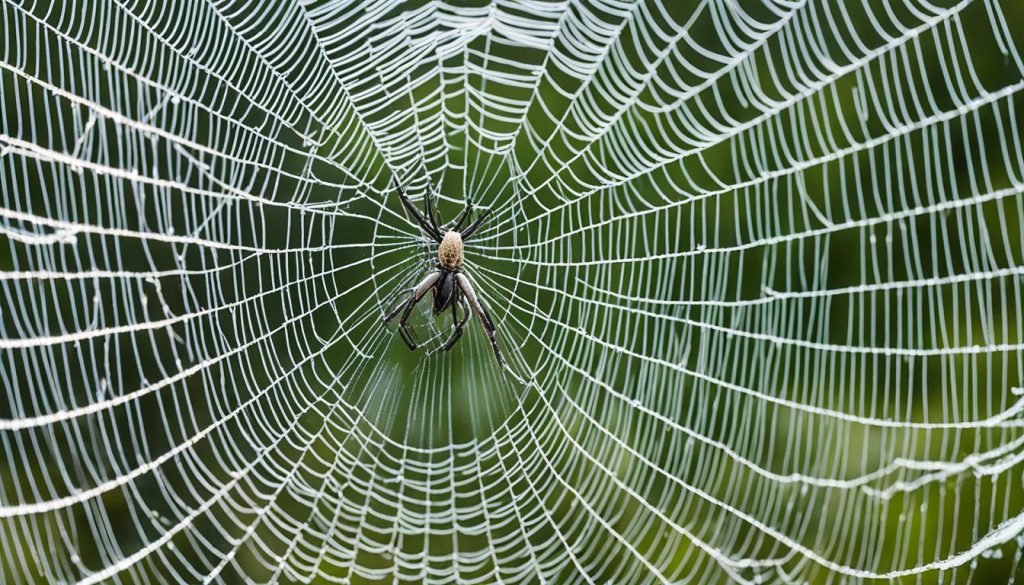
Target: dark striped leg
403 326
481 312
458 324
428 230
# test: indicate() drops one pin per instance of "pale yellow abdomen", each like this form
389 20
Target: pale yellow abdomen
449 252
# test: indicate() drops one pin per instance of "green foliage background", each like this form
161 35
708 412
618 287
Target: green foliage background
429 401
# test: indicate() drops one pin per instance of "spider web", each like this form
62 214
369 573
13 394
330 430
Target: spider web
760 261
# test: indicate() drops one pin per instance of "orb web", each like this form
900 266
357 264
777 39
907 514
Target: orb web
758 263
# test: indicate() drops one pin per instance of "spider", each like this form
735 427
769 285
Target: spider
451 287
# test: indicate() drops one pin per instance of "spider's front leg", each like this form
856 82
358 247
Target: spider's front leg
466 211
468 232
430 208
403 326
428 230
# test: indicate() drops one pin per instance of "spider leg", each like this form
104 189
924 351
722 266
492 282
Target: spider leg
473 227
485 319
462 217
398 296
428 230
417 294
406 332
430 208
458 324
404 329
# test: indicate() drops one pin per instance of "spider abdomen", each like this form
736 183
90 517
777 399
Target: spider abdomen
449 252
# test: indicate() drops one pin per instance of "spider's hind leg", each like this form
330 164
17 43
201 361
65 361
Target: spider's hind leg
404 329
406 333
403 324
458 324
481 312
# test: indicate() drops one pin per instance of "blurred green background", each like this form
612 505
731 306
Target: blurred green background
315 403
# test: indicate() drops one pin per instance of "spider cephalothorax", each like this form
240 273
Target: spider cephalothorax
451 286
